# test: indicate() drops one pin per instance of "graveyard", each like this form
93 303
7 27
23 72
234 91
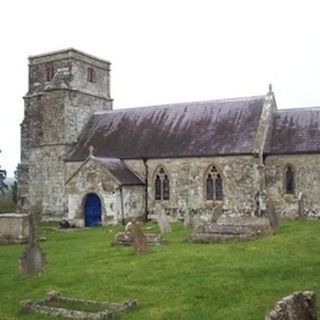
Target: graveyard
175 280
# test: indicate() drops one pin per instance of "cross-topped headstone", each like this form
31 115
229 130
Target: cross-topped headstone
32 260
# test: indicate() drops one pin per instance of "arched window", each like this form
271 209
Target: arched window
158 188
214 185
162 187
289 180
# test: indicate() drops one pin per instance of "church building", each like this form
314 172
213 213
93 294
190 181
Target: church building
86 162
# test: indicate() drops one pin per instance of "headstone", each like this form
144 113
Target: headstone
297 306
196 221
300 206
139 238
164 224
187 219
32 260
216 212
272 215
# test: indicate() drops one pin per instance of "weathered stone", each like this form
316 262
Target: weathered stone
126 239
32 260
164 224
139 238
54 306
231 228
187 219
14 228
297 306
56 110
272 216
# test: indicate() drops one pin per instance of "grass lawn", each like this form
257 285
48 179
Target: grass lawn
175 281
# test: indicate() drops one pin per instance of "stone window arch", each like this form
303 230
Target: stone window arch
214 184
162 184
289 180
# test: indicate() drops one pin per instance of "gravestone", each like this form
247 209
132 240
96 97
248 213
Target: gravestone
300 206
32 260
187 219
139 238
164 224
272 216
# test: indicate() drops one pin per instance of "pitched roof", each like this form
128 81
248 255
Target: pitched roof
120 171
206 128
295 131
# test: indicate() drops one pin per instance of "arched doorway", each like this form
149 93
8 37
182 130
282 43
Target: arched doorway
92 210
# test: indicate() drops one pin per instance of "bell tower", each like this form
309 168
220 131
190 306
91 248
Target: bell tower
65 88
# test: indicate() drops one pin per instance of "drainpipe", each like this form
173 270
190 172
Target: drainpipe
122 211
146 190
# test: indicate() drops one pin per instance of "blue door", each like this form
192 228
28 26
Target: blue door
92 210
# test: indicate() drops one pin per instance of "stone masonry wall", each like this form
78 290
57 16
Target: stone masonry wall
188 186
55 114
306 180
94 178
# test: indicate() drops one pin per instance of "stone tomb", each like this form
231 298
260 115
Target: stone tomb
14 228
231 229
56 305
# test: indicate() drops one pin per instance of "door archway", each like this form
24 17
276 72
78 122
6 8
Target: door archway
92 210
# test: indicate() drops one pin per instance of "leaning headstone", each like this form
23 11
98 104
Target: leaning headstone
297 306
139 238
164 224
272 216
32 260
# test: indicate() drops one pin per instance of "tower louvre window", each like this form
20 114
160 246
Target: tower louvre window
91 74
49 73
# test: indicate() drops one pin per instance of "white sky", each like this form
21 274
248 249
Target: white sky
165 51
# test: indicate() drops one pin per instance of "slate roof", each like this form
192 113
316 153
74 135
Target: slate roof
120 171
207 128
295 131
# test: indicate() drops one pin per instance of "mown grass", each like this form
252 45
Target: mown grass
176 281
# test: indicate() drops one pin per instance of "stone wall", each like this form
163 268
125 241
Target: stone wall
119 203
306 181
55 113
14 228
240 176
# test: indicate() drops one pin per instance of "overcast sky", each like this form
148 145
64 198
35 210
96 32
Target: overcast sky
165 51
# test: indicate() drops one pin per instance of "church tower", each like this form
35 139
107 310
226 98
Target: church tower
65 88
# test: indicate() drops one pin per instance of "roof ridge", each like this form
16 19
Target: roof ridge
179 104
298 109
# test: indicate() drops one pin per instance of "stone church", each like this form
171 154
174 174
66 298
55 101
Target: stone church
84 161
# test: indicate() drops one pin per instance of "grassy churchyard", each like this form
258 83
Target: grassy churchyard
179 280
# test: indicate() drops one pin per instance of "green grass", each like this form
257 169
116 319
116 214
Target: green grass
175 281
